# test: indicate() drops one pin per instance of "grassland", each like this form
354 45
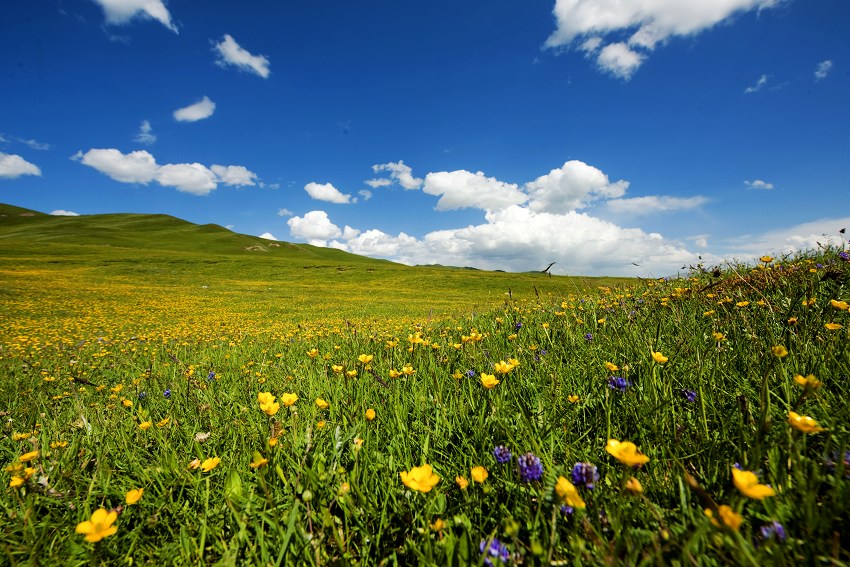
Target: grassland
226 401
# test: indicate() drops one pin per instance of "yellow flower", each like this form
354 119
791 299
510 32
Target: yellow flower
804 423
461 482
58 444
626 453
601 321
322 403
344 488
134 496
351 373
718 337
127 403
748 483
265 398
841 305
611 367
370 414
365 358
117 388
272 442
258 460
832 326
313 352
408 370
145 425
437 525
337 368
479 474
572 398
358 443
808 381
288 399
16 481
163 422
210 464
742 304
421 479
792 321
568 493
503 367
659 358
394 373
100 525
270 408
27 457
634 486
489 381
779 351
320 424
728 516
766 259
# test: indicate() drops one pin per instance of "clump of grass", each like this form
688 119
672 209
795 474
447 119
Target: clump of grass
645 423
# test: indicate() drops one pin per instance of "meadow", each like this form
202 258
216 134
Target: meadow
176 394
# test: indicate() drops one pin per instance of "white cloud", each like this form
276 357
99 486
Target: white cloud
145 135
823 69
399 172
462 189
759 184
284 213
231 53
327 192
141 167
34 144
12 166
805 236
234 175
204 108
122 11
375 183
758 86
268 236
315 227
573 186
64 213
619 60
349 233
650 23
654 203
365 193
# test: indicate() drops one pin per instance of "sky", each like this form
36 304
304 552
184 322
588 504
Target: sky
613 137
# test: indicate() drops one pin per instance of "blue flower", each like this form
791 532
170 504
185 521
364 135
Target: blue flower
502 454
470 373
588 337
211 375
618 383
518 326
585 474
167 394
530 467
492 550
143 395
567 510
773 530
690 396
844 256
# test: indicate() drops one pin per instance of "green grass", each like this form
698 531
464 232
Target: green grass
114 323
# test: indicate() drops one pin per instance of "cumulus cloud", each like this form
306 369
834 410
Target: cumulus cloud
462 189
573 186
649 204
268 236
145 135
204 108
759 184
315 227
64 213
141 167
12 166
758 86
232 54
327 192
399 172
120 12
823 69
590 23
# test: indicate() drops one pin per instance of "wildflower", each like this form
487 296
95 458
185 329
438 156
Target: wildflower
365 358
572 398
844 256
618 383
272 442
258 461
747 482
567 510
407 370
100 525
773 530
808 382
530 467
469 373
779 351
211 375
134 496
690 396
322 404
269 406
167 394
489 381
835 458
626 453
27 457
194 464
479 474
320 424
634 486
337 368
568 493
58 444
611 367
766 259
585 474
421 479
588 337
351 374
728 516
719 337
288 399
659 358
313 352
803 423
461 482
437 525
502 454
840 305
503 367
117 389
16 481
601 321
832 326
709 313
142 395
518 326
493 550
742 304
344 488
394 373
127 403
370 414
210 464
358 443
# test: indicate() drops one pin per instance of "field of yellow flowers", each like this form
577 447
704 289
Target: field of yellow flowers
701 420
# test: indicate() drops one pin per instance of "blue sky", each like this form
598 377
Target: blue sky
598 134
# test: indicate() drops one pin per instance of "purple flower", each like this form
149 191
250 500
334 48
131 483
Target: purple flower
588 337
211 375
585 474
844 256
567 510
143 395
819 266
530 467
167 394
690 396
773 530
492 550
502 454
517 326
618 383
470 373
